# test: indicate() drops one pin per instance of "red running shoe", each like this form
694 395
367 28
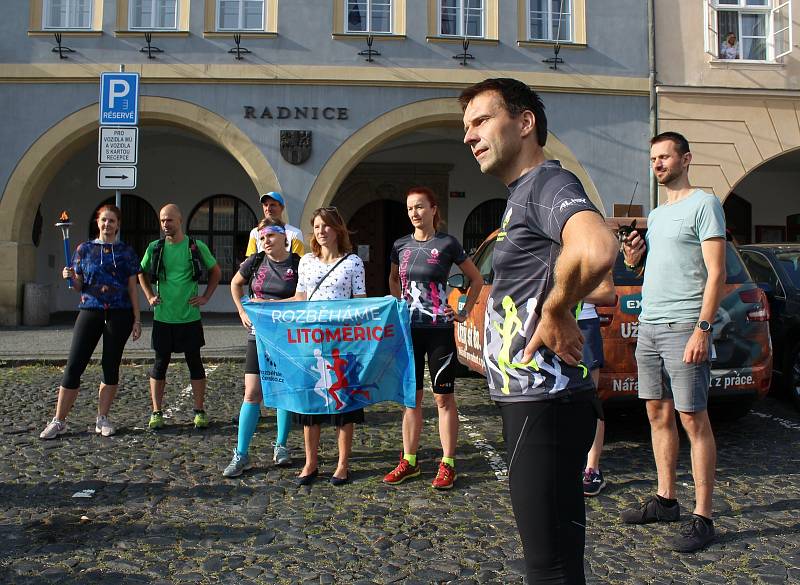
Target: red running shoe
445 477
402 472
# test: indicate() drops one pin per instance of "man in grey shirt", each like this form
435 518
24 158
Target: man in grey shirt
683 284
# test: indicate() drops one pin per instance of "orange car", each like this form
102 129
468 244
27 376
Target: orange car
741 370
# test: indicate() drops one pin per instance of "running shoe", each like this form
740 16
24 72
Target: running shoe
156 420
652 510
697 533
445 477
281 455
593 482
238 464
402 472
104 427
200 419
54 428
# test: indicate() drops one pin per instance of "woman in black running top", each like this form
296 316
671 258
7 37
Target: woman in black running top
421 263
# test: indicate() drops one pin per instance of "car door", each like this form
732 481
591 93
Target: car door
762 271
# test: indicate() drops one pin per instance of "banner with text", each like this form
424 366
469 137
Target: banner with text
329 357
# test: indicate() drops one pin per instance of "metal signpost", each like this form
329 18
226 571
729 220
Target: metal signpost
118 140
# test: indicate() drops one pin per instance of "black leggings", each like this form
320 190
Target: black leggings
193 360
547 444
114 326
440 347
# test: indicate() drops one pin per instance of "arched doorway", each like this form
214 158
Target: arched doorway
375 227
482 221
44 159
763 206
139 222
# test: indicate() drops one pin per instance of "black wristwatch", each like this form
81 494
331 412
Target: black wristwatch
704 326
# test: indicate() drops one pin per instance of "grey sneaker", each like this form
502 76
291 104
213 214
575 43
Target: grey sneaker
104 427
238 464
281 455
54 428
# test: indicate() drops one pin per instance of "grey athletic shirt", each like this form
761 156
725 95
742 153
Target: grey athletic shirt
423 268
539 204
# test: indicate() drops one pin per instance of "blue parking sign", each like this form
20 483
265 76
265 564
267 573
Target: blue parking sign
119 99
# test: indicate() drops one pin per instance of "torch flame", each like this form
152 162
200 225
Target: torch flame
64 216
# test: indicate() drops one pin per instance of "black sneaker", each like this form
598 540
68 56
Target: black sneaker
652 511
697 533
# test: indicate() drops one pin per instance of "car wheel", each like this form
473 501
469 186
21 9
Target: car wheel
792 374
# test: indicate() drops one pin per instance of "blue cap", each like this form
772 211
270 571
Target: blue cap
273 195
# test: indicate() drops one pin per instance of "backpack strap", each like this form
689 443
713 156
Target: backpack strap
197 264
156 265
254 269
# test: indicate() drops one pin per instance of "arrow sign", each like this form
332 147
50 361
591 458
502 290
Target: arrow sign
116 177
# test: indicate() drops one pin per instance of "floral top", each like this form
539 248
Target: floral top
105 269
344 282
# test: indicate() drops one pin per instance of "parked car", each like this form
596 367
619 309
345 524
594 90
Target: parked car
741 368
776 269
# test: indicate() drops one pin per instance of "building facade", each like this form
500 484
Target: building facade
729 80
303 112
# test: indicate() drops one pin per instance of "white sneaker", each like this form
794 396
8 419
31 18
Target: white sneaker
104 426
54 428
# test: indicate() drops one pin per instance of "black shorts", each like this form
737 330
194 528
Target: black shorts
251 359
177 337
592 343
337 420
439 345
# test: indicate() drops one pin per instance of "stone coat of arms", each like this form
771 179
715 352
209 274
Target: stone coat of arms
295 146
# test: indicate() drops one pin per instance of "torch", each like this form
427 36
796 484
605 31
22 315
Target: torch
64 223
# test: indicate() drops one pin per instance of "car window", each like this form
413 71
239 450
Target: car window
791 264
736 273
760 269
484 261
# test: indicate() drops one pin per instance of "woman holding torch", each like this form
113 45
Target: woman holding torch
104 271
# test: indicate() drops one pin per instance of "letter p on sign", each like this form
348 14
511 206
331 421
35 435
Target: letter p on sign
119 99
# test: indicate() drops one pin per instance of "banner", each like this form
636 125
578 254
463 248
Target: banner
330 357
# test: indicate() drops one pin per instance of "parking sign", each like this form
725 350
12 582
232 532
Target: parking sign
119 99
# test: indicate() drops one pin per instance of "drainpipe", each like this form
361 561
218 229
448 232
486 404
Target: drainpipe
651 63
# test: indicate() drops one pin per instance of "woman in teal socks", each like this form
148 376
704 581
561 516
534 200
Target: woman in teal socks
270 274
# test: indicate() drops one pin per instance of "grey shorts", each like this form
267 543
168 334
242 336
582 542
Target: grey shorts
663 375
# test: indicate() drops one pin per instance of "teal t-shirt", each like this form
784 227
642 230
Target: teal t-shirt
675 274
178 286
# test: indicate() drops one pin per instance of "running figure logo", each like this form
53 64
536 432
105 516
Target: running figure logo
340 369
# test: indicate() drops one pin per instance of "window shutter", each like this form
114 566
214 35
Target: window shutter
711 35
782 29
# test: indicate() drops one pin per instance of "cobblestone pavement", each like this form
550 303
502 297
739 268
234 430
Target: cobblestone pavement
162 513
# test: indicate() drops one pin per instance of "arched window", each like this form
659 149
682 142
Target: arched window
224 223
139 222
481 222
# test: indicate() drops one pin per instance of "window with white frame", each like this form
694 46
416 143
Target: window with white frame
153 14
368 16
462 18
751 30
67 14
550 20
247 15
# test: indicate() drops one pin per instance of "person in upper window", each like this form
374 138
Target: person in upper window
729 49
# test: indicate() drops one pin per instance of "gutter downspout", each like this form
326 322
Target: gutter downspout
653 113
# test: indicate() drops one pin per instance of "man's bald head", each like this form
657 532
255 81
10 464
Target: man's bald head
170 218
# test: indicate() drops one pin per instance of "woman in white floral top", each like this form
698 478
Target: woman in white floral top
330 253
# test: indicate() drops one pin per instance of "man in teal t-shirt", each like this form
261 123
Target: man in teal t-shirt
170 270
684 279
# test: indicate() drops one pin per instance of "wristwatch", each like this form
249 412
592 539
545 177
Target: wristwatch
704 326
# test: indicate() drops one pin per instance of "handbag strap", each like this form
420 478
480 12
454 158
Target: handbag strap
316 288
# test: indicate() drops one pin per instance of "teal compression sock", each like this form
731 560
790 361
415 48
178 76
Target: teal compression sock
248 419
284 425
